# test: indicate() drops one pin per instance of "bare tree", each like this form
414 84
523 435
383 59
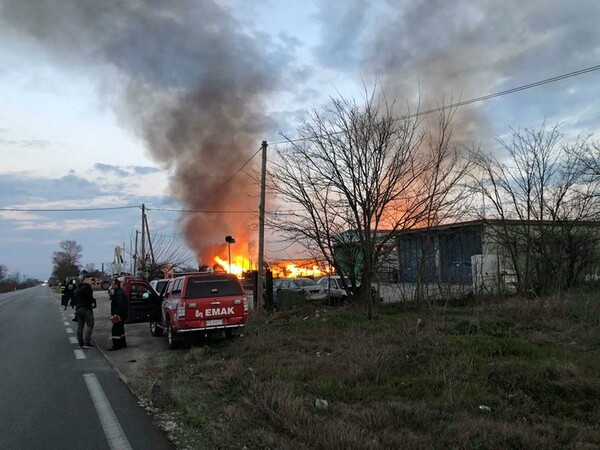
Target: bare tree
358 175
168 254
587 156
66 261
3 271
544 203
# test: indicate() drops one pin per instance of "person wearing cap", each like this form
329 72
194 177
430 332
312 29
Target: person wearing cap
84 303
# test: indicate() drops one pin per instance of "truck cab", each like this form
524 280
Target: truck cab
204 304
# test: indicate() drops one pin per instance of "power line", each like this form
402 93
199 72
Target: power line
207 211
67 209
482 98
242 167
201 211
421 113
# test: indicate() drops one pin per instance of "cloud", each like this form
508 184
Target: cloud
189 79
108 168
343 23
26 143
465 49
20 216
66 226
13 240
125 171
141 170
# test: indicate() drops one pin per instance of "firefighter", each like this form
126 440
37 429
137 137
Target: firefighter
118 312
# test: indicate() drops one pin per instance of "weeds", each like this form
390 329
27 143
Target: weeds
508 374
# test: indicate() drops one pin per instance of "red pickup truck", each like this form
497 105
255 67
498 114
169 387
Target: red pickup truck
204 303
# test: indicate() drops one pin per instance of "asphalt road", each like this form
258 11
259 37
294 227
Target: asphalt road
56 396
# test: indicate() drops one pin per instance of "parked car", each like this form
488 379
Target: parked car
306 286
335 289
201 304
159 285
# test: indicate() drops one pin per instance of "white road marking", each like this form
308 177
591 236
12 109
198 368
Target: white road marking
66 324
73 340
112 429
79 354
69 330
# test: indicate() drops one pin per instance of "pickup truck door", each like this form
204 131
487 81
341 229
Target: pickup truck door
144 302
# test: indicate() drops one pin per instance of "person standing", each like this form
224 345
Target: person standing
119 309
69 293
84 303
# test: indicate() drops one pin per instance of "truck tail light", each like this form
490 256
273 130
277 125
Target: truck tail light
181 310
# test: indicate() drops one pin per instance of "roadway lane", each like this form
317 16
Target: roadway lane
51 399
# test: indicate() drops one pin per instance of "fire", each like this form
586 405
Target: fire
303 268
239 265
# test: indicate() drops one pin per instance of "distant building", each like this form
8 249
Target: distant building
494 256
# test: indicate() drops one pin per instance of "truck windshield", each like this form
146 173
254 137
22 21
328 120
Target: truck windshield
198 288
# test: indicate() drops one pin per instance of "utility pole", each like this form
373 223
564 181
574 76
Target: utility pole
149 240
261 230
135 254
143 263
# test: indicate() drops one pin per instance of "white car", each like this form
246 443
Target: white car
159 285
307 286
334 287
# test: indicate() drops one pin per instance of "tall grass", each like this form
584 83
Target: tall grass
510 373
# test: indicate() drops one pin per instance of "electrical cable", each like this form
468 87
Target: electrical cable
110 208
477 99
242 167
201 211
421 113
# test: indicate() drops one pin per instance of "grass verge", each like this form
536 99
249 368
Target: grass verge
497 374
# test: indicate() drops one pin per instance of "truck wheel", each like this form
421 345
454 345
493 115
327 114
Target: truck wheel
171 339
155 330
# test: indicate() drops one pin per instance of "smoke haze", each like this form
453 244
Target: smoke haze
189 81
193 81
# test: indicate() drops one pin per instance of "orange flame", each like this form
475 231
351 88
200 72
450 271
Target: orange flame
239 265
301 268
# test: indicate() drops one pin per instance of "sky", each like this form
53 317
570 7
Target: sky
105 106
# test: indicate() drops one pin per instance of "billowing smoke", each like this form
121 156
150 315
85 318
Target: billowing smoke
191 80
188 79
462 50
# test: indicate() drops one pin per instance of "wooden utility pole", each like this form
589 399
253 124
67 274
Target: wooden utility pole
143 263
261 230
135 253
149 240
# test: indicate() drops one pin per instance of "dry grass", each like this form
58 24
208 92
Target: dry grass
410 379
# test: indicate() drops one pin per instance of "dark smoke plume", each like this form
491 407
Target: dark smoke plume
188 79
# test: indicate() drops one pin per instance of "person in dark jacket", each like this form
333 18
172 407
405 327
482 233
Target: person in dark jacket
84 303
118 311
69 293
